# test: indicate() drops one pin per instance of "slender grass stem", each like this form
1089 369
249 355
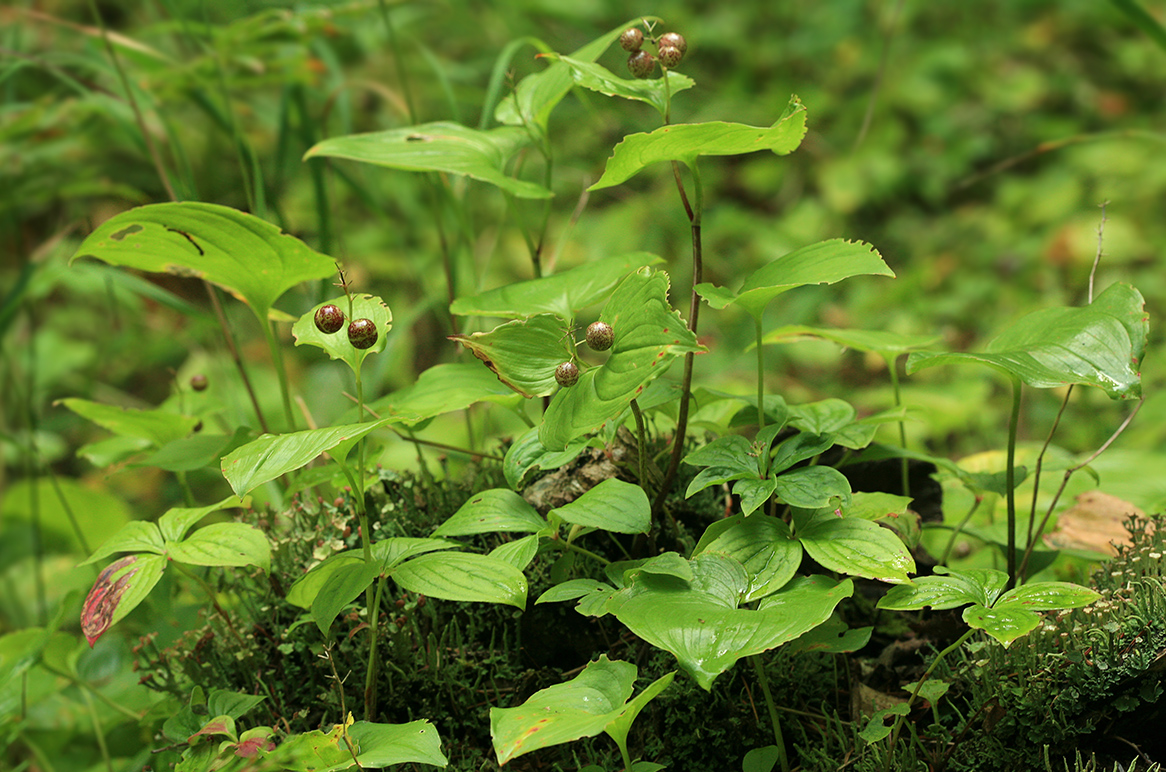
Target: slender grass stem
959 529
370 681
894 371
1010 480
98 731
774 719
894 736
281 373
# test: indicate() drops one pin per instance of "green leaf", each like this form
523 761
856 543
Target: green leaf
571 589
687 142
594 701
654 91
536 95
247 256
135 536
612 505
272 455
444 389
439 147
880 724
761 544
199 451
382 745
563 294
336 344
705 636
826 262
1046 596
494 510
464 577
832 637
621 725
223 544
727 458
1005 625
823 416
877 341
158 426
344 584
754 493
648 335
798 448
222 702
176 521
811 487
517 553
527 454
856 547
306 589
1099 345
525 352
761 759
957 588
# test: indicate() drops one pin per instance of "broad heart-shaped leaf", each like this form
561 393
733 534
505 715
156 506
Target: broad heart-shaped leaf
878 341
444 389
465 577
157 426
596 77
525 352
1099 345
118 590
612 505
387 553
762 544
1014 613
592 702
439 147
563 294
951 589
688 141
271 455
704 634
494 510
648 334
857 547
223 544
336 343
247 256
826 262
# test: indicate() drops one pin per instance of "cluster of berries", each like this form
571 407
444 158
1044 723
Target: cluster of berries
670 49
362 333
600 336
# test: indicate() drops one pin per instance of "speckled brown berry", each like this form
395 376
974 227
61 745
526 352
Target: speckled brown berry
362 333
670 56
631 39
329 319
600 336
198 382
641 64
567 374
675 40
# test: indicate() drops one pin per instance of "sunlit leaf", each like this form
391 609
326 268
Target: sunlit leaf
439 147
686 142
857 547
564 294
1100 345
826 262
524 353
247 256
494 510
156 425
654 91
444 389
612 505
761 544
336 343
223 544
465 577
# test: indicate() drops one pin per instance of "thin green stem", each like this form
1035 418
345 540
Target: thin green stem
761 391
587 553
627 760
1010 480
959 529
281 373
642 445
370 681
229 337
187 493
1037 468
894 370
98 732
774 719
894 736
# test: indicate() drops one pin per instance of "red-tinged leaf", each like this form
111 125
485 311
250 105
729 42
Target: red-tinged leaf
119 588
254 740
219 725
102 601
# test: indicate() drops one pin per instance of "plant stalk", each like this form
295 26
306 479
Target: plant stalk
1010 481
763 679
